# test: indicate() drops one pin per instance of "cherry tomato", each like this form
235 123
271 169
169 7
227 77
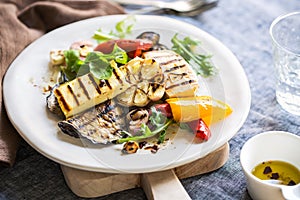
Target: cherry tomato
200 129
132 47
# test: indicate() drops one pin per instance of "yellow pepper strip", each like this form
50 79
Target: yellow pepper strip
210 110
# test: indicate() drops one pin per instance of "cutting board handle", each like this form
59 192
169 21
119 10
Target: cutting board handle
163 185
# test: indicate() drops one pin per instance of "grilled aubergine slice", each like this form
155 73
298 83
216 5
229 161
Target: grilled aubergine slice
100 124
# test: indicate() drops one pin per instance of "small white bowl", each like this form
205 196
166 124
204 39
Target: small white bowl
271 145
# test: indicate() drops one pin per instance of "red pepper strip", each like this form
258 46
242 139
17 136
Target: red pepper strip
200 129
132 47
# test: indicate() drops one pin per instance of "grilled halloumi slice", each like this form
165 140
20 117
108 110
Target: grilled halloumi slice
87 91
180 78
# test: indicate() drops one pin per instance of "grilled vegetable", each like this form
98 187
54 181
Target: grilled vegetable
180 79
147 133
200 129
133 48
157 125
130 147
57 57
188 109
101 124
84 47
135 118
154 37
164 108
146 80
151 36
52 103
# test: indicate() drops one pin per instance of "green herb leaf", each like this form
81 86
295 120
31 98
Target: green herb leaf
200 63
125 26
95 62
102 37
118 54
122 29
72 60
158 120
162 136
147 133
98 65
73 63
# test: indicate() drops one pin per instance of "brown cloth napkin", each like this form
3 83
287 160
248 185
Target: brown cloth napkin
23 21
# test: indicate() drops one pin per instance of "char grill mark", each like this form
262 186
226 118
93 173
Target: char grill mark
168 58
101 124
154 87
94 83
172 60
101 110
175 68
108 84
73 94
127 78
62 99
104 83
180 78
85 92
180 84
117 76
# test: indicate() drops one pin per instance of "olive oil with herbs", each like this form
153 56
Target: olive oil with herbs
278 170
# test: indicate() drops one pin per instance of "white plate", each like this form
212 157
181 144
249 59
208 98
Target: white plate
26 108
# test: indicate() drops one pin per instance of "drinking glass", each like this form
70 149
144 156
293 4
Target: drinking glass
285 35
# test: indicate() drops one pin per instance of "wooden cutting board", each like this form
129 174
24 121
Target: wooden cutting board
156 185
